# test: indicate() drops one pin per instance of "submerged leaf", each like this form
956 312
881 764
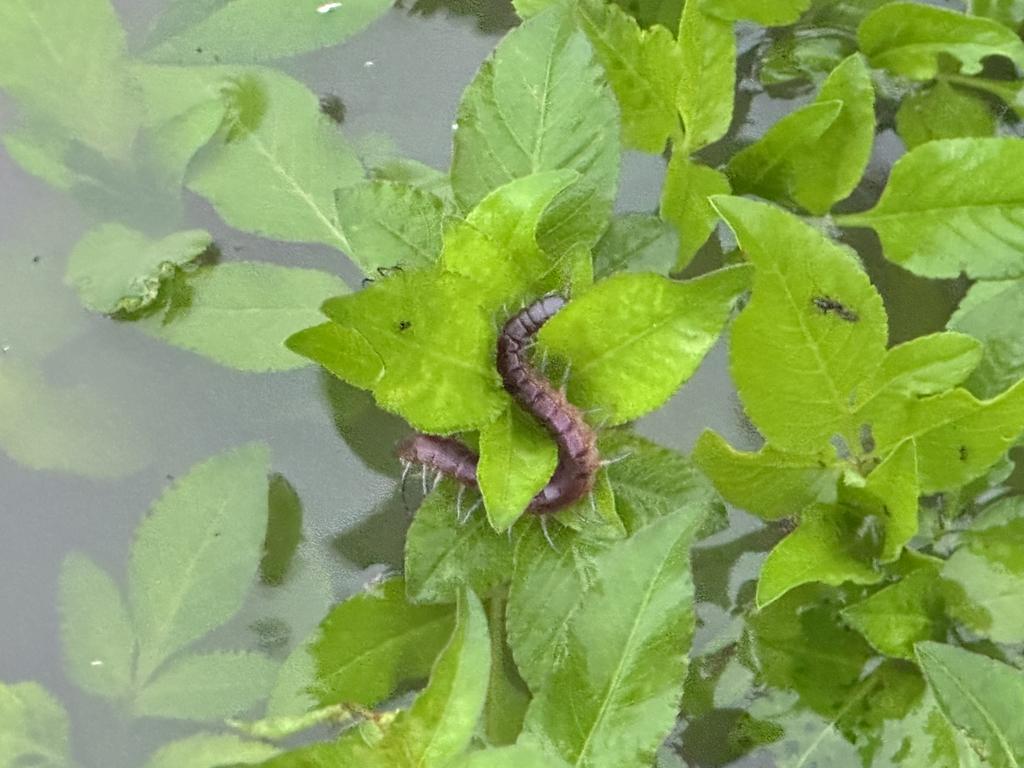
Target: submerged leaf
276 176
245 31
240 313
117 269
375 641
35 728
96 631
195 555
632 340
953 206
540 103
208 750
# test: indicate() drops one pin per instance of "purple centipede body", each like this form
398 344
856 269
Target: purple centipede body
578 459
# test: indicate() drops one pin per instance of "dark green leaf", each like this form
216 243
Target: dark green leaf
540 103
284 531
636 242
632 340
908 38
375 641
195 555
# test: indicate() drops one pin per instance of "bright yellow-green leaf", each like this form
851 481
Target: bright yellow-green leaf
992 312
770 13
943 112
684 202
706 89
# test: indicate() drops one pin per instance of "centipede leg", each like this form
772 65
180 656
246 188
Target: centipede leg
547 534
406 466
458 503
565 377
617 459
423 477
593 503
471 510
437 480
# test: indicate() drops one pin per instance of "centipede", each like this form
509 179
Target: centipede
578 457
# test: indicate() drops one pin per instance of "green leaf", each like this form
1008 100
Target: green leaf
96 631
952 206
958 436
64 429
517 756
35 730
613 697
195 555
496 245
239 314
708 82
117 269
441 721
209 750
390 223
685 202
636 242
768 13
832 167
540 103
643 67
1010 13
980 695
517 458
783 329
988 570
896 617
943 112
64 65
207 686
427 340
769 166
830 547
442 556
375 641
908 38
926 365
275 169
246 31
632 340
770 483
991 312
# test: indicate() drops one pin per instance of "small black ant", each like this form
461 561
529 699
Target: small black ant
827 304
404 324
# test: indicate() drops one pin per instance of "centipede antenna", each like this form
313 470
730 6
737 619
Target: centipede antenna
437 480
617 459
458 503
593 503
547 535
423 477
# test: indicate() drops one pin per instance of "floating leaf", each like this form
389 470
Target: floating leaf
769 13
768 167
633 628
275 170
433 343
390 224
707 86
829 547
635 242
952 206
35 728
943 112
813 312
195 555
517 458
64 64
770 483
208 750
64 429
117 269
96 631
375 641
980 695
496 244
991 312
207 686
908 38
442 556
245 31
643 67
540 103
632 340
988 570
240 313
685 202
